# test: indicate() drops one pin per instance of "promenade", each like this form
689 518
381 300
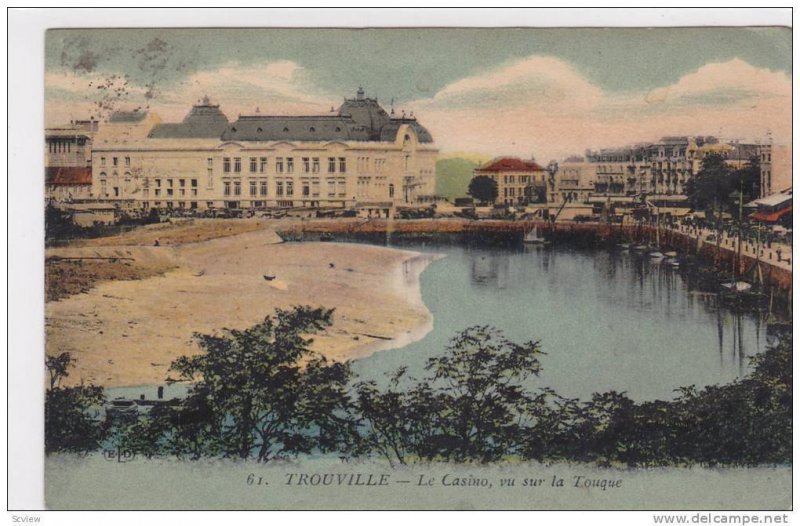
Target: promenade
775 254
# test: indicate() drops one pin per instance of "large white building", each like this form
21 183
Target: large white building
358 156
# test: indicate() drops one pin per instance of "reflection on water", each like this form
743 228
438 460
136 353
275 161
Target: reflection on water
607 320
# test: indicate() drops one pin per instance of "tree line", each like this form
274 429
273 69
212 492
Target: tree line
262 393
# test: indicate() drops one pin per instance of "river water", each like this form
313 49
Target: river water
607 320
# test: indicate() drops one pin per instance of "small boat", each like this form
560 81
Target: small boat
671 254
640 248
656 255
532 237
624 246
737 286
672 262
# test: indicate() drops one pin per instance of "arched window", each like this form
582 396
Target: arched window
102 175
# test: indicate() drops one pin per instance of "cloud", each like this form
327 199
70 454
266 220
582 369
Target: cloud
278 87
544 106
538 105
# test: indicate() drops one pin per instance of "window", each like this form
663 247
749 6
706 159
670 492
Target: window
262 189
253 163
170 192
289 164
115 161
279 165
194 183
331 188
342 165
193 205
315 165
306 164
226 188
289 188
169 182
237 164
210 163
263 165
237 188
279 188
102 161
226 165
103 188
158 192
331 165
253 188
182 183
391 190
306 190
127 162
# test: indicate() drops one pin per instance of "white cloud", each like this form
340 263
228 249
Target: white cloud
539 104
544 106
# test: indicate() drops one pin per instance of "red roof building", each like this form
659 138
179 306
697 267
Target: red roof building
519 181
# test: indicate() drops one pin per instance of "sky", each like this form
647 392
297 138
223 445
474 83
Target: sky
546 93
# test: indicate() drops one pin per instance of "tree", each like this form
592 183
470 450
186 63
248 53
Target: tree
69 424
483 188
710 188
262 392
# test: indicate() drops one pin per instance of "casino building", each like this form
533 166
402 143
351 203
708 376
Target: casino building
358 156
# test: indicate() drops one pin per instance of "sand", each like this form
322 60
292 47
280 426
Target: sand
125 333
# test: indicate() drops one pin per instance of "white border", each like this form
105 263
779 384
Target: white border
25 193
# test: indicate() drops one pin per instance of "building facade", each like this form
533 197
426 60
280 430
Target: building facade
519 182
358 156
573 182
776 168
68 161
661 168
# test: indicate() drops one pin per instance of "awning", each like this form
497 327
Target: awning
770 217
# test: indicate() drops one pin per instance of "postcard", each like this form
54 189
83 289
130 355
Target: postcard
418 268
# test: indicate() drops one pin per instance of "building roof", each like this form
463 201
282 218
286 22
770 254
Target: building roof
771 217
303 128
203 121
389 131
68 175
510 164
127 116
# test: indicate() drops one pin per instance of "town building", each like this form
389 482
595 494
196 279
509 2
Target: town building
68 160
573 181
776 168
519 181
661 169
358 156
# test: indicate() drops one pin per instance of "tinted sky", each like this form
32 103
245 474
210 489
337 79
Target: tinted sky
307 70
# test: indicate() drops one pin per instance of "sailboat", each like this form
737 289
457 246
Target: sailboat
735 285
532 237
656 254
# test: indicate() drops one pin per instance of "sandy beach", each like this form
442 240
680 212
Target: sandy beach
124 333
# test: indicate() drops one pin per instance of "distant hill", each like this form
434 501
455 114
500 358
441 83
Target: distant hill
453 176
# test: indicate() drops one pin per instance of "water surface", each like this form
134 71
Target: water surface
607 320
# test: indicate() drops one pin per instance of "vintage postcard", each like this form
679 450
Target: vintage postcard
418 268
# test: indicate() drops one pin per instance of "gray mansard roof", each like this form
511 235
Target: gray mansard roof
311 128
359 119
204 121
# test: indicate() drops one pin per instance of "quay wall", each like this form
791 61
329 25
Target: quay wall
505 231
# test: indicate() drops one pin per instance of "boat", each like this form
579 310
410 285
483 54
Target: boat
656 255
624 246
640 248
672 262
671 254
737 286
532 237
